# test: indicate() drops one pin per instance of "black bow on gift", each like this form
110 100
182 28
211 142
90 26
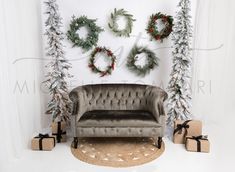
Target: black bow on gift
198 139
41 137
180 127
59 133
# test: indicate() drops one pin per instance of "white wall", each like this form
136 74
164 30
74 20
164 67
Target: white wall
100 10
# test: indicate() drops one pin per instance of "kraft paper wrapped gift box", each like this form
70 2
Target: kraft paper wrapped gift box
59 131
197 144
43 142
186 128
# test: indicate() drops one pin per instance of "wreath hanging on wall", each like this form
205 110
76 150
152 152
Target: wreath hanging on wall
108 54
141 70
152 26
114 26
93 32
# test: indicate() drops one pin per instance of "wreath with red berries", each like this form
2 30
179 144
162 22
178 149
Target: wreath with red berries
108 54
152 26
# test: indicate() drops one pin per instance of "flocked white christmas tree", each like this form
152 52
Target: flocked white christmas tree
179 89
58 67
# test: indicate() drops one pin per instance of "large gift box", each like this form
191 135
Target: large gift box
197 144
43 142
59 131
186 128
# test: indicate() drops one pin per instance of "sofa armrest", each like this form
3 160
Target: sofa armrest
158 96
79 104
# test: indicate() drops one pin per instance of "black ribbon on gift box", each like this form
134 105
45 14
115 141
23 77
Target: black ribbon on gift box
41 137
198 140
179 127
59 133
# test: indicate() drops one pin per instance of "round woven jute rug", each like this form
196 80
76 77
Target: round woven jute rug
117 152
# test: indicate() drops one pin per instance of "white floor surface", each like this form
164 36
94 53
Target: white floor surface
175 158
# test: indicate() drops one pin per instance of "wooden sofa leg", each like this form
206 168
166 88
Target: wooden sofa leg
75 142
159 142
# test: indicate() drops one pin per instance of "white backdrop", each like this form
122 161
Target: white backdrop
121 46
22 101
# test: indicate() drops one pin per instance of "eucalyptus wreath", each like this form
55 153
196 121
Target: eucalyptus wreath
141 70
93 32
108 54
114 26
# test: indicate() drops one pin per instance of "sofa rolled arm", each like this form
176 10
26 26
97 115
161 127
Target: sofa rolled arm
157 99
79 105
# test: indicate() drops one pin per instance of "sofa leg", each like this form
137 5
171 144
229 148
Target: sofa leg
159 142
75 142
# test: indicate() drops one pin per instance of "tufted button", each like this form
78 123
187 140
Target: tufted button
154 130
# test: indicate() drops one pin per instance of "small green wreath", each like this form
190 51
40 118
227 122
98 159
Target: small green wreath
114 26
153 30
93 32
152 61
108 54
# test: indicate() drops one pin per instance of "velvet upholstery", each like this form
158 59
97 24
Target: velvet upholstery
118 110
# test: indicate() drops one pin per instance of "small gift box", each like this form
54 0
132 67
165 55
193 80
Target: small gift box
185 128
43 142
59 131
197 144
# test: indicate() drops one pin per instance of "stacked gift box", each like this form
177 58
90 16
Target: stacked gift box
190 133
46 142
43 142
59 131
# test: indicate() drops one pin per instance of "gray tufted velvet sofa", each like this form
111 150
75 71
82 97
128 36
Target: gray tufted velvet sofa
118 110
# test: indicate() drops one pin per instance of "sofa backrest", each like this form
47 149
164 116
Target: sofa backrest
116 96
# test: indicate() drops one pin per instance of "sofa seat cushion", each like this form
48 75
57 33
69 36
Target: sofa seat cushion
117 118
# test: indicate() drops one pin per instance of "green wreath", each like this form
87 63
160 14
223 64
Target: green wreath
114 26
153 30
108 54
93 32
152 61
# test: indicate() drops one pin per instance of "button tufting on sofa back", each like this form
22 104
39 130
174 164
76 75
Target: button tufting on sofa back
113 97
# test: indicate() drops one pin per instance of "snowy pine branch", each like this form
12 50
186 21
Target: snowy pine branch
58 67
179 89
